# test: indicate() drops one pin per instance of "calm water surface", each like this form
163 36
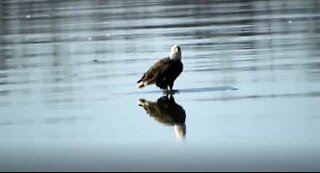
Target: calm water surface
250 89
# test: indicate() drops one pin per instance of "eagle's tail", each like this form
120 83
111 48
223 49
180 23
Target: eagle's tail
141 84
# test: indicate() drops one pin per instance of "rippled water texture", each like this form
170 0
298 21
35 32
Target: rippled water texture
247 100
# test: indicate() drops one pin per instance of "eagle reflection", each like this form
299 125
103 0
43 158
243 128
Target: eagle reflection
166 111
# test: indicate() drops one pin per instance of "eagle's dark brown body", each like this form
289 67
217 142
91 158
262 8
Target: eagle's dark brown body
163 73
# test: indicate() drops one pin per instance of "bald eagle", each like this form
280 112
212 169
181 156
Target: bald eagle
164 72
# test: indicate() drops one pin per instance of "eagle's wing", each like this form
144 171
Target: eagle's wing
154 72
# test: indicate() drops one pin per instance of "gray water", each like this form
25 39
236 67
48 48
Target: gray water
250 88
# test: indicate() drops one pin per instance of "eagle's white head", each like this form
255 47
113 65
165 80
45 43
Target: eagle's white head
175 52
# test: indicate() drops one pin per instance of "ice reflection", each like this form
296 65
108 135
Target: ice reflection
166 111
